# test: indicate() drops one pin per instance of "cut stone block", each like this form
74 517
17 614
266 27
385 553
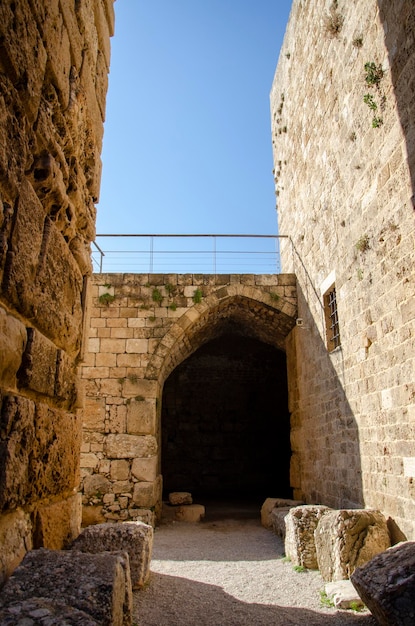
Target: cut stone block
278 520
300 524
180 497
97 584
386 585
348 538
343 594
135 538
185 512
272 503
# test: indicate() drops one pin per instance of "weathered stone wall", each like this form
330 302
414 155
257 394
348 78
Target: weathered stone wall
54 59
345 195
142 327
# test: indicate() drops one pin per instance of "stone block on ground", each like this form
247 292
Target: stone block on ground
348 538
96 584
386 585
300 524
278 516
180 497
183 513
272 503
343 594
135 538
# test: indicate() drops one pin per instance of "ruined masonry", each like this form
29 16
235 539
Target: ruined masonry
142 327
54 60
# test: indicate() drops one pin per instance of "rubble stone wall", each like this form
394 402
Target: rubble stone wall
344 143
54 60
142 327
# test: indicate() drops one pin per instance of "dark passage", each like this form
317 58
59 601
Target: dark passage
225 422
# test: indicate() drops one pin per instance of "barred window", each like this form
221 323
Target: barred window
332 319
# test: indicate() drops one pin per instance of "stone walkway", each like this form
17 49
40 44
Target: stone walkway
229 570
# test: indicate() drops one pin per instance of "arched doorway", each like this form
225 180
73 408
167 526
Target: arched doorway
225 421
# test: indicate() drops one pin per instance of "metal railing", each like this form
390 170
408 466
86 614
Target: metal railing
181 254
185 254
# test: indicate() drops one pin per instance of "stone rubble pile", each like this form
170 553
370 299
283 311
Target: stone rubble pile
89 584
351 548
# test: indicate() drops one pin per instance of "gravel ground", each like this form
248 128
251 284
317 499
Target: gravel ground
230 572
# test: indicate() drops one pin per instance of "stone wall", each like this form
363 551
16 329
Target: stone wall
344 181
54 59
142 327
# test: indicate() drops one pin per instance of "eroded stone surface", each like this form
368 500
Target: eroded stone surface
97 584
135 538
348 538
300 524
180 497
386 585
343 594
272 503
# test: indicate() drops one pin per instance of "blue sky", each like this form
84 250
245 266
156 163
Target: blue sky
187 141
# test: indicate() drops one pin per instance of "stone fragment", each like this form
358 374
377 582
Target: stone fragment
300 523
348 538
189 513
96 485
386 585
92 515
145 469
135 538
343 594
180 497
272 503
44 611
97 584
278 516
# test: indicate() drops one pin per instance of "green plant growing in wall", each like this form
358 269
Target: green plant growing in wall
334 20
173 306
300 569
106 298
156 295
362 244
171 289
274 296
373 76
197 296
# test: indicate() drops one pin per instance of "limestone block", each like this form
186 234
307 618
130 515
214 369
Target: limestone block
38 368
93 414
271 503
278 516
343 594
386 585
348 538
95 485
180 497
144 494
52 612
97 584
15 541
189 513
120 470
145 469
33 434
130 446
42 279
59 523
12 344
136 538
141 417
67 384
301 522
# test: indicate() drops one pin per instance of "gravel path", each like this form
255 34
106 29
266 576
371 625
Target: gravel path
230 572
